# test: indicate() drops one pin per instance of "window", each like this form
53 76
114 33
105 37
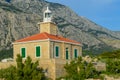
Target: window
57 51
47 15
23 52
37 51
67 55
75 53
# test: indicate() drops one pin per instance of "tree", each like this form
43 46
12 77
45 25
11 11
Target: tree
25 70
113 67
80 70
8 74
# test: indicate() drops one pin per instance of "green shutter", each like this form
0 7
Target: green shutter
67 56
23 52
38 51
57 51
75 53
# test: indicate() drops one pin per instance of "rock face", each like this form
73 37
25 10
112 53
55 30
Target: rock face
19 18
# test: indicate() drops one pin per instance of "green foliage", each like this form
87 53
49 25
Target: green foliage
9 73
80 70
112 60
113 66
87 52
24 71
94 50
111 55
6 53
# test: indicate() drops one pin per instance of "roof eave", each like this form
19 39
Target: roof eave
47 40
65 42
29 41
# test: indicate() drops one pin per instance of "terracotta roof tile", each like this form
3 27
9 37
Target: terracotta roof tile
44 35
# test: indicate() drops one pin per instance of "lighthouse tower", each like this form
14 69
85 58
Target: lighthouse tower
47 15
47 25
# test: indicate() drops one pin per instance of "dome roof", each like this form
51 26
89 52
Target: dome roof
48 10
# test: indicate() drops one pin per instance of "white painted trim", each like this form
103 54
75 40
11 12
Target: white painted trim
25 52
47 40
55 51
65 42
74 52
47 22
29 41
40 51
68 53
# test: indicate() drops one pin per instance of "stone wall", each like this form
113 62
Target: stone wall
4 65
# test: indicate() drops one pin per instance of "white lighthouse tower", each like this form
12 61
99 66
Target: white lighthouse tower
47 15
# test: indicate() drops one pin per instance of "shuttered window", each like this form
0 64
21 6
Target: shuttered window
57 51
67 55
38 51
23 52
75 53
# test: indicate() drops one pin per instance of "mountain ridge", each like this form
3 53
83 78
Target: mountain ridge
19 19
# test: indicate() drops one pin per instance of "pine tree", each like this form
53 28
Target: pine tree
25 70
80 70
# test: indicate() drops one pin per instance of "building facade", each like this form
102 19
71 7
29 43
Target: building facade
51 50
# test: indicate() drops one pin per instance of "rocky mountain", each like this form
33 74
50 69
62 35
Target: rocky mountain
19 18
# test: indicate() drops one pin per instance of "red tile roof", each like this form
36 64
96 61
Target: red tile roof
44 35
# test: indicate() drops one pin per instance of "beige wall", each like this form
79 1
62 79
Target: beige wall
6 64
63 47
49 65
54 65
48 27
30 49
47 49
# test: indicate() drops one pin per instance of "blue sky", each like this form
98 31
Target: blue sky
103 12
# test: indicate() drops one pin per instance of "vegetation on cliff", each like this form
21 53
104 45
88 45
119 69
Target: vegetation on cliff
111 55
112 60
